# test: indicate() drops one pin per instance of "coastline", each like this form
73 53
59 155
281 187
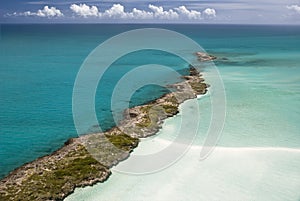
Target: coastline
86 160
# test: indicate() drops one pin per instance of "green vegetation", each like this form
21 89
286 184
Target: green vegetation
146 109
57 179
123 141
172 100
170 109
54 177
198 87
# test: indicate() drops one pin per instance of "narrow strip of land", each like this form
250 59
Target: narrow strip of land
86 160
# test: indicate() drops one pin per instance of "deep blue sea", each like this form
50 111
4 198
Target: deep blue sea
261 74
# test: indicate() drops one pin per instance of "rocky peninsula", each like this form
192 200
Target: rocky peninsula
87 160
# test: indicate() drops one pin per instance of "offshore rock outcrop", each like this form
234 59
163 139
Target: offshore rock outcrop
203 56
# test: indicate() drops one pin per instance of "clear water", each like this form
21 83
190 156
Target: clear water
257 157
38 67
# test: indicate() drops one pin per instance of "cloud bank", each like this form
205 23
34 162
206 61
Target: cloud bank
117 11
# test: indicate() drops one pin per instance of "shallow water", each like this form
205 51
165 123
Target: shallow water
228 174
258 154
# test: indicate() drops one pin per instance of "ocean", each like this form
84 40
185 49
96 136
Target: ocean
257 156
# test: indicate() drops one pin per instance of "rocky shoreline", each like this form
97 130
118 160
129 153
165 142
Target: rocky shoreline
86 160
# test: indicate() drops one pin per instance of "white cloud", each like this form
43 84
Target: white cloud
189 14
84 10
141 14
49 12
45 12
294 8
115 12
160 13
209 13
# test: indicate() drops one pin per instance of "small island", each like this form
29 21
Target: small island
87 160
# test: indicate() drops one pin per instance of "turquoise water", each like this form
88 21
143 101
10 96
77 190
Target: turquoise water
257 157
38 67
258 154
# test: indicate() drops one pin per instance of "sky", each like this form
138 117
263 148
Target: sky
142 11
